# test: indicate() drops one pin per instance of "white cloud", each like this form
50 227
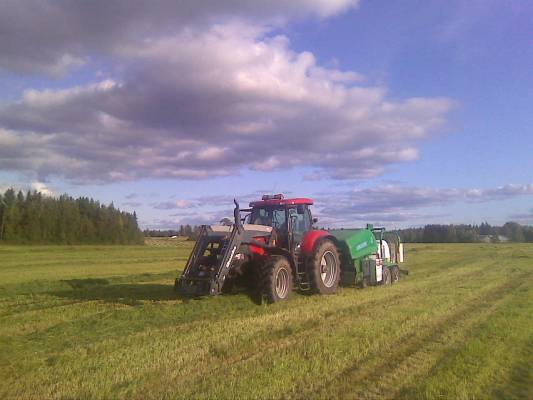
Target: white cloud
44 36
205 103
183 204
172 205
43 188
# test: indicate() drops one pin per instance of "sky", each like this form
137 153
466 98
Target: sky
386 112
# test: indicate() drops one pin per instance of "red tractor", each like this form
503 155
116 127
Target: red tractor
275 243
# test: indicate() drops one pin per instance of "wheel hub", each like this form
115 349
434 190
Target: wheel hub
328 269
282 283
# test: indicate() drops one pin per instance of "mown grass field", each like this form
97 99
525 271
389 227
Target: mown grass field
103 322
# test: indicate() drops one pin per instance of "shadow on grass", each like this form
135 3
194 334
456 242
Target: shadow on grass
252 294
84 283
124 293
133 293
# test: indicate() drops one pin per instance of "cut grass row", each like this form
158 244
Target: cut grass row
459 326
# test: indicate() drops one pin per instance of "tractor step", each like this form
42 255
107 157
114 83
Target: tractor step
303 282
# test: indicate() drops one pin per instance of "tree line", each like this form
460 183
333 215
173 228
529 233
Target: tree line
510 231
35 218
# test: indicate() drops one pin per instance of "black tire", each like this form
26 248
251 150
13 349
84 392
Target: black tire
387 276
395 274
325 268
362 284
276 279
228 286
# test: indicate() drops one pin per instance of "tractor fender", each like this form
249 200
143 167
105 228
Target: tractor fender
312 238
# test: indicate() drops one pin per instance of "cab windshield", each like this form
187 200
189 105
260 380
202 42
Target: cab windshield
270 216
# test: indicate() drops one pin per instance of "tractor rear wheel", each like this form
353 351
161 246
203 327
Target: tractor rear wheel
387 276
395 274
275 281
325 268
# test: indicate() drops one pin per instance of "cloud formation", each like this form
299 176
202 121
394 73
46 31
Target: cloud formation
173 205
389 204
50 37
41 187
208 99
392 203
523 218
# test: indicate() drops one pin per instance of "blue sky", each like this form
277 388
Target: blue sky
400 113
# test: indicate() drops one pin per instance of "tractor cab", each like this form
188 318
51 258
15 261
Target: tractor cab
291 218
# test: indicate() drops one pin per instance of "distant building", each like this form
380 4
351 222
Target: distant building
491 238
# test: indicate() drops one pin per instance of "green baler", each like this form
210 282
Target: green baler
369 256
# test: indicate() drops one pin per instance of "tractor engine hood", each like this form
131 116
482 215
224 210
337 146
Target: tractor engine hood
261 230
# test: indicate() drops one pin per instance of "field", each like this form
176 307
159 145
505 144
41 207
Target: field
103 322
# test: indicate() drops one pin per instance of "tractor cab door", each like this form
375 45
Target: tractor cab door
300 223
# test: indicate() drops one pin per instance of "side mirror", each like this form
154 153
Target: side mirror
315 220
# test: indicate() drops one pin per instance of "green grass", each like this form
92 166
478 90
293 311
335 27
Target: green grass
103 322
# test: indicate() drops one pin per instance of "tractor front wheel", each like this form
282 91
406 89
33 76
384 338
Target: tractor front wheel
276 279
325 268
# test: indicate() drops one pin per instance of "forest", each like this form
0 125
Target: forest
34 218
509 232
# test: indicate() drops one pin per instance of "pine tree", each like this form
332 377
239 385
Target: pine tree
2 209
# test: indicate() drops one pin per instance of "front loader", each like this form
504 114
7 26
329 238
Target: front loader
217 255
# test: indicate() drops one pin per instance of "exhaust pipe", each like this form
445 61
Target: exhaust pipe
237 217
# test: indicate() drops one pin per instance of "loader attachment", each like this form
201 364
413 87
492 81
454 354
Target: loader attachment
216 251
209 261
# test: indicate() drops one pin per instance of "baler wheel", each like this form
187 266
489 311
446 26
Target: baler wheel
363 283
275 280
325 268
387 276
395 274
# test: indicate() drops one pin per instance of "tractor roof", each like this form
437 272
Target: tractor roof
281 202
